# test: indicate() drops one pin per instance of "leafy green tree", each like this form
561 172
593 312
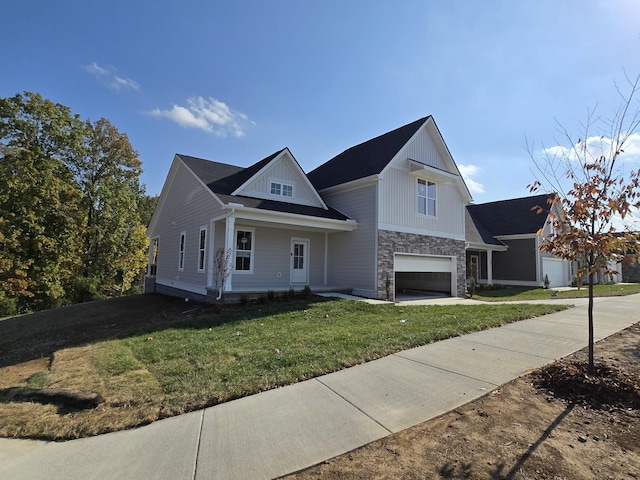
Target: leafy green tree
72 210
596 192
39 221
113 241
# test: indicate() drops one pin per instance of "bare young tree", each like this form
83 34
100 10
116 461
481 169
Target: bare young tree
597 191
221 269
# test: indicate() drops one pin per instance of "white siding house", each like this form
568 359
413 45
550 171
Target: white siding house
382 218
409 199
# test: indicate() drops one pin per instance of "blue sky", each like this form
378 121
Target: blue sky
235 81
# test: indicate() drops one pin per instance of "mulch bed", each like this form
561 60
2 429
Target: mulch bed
609 387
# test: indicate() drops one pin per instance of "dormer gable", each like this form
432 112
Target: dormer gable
280 178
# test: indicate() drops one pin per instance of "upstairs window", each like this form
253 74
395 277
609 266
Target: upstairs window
244 251
426 198
282 189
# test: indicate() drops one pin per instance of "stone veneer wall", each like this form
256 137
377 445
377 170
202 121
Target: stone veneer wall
398 242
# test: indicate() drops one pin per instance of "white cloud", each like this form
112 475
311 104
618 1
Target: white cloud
108 78
210 115
119 82
595 147
182 117
469 171
95 69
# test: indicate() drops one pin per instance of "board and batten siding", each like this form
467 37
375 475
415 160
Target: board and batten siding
399 206
352 255
272 258
283 170
187 207
398 194
423 149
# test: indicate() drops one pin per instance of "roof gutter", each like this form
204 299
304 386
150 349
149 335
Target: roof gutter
292 219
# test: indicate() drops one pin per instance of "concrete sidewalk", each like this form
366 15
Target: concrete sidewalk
287 429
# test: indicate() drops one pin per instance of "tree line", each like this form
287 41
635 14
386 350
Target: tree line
73 212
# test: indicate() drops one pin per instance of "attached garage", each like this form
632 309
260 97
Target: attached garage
557 270
425 274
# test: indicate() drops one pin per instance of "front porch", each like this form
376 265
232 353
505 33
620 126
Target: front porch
270 252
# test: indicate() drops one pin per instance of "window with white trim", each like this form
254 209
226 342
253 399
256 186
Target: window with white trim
202 248
281 189
183 241
244 251
426 198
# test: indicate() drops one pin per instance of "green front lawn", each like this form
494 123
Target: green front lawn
214 358
505 294
219 358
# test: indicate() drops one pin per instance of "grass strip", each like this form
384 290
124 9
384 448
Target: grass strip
498 293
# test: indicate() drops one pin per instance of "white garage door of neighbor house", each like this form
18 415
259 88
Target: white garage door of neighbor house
422 263
556 270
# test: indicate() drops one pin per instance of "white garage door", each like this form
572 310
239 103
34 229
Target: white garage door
422 263
425 273
556 270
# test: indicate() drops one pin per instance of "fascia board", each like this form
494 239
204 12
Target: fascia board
486 246
413 137
163 195
434 131
278 158
257 174
304 175
352 185
202 184
522 236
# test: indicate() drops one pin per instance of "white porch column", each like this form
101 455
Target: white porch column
229 240
211 253
490 267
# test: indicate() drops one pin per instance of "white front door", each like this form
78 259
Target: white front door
299 260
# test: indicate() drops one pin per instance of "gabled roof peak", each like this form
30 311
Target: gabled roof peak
365 159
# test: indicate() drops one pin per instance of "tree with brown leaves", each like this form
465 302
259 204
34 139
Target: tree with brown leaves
597 192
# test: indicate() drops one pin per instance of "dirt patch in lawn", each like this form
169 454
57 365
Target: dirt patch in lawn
555 423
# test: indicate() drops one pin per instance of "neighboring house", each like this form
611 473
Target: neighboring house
502 244
630 269
382 217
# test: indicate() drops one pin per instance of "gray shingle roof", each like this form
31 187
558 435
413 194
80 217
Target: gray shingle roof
509 217
476 233
223 179
368 158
